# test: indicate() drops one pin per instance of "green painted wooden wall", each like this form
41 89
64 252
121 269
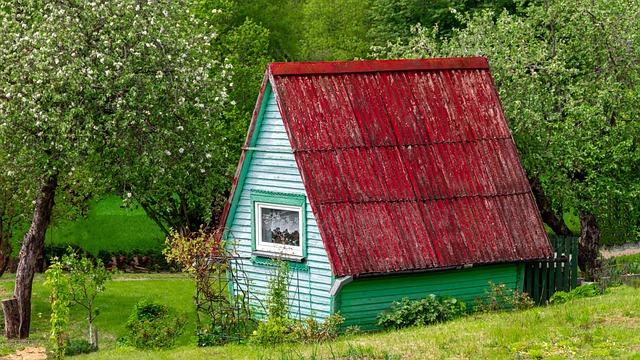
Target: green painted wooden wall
362 300
272 167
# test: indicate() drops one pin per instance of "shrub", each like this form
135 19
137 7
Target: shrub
500 298
152 326
421 312
270 332
77 347
583 291
311 330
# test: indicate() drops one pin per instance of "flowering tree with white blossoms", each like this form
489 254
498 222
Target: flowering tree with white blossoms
127 90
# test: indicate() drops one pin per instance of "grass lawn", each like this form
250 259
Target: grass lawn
115 305
109 227
606 326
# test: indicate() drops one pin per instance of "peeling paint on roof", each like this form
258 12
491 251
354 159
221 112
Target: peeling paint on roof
408 165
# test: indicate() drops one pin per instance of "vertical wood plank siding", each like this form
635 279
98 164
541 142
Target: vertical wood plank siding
363 299
277 171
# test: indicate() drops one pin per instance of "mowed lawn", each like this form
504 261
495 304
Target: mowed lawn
603 327
115 305
109 227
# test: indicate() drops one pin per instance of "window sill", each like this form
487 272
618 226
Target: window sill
274 256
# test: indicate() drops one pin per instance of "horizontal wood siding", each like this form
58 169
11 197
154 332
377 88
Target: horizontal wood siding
363 299
271 169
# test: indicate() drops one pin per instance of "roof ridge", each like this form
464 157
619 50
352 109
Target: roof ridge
364 66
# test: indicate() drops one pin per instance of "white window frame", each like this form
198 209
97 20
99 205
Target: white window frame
277 249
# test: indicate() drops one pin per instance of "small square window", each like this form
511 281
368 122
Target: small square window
278 224
278 228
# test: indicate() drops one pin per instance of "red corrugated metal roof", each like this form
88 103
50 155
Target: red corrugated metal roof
408 164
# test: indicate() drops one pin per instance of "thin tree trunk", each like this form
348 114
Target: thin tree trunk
90 331
589 246
31 250
545 207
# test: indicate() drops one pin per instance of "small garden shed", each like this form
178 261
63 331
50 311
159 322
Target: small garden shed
378 180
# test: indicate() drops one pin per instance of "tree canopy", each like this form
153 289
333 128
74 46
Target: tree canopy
121 90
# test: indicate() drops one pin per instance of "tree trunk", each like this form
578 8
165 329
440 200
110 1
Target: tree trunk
589 246
11 317
545 207
31 251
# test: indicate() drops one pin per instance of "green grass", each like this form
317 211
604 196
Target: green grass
115 305
606 326
109 227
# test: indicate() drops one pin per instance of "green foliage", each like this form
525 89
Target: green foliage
353 330
335 32
580 292
121 92
277 302
392 19
153 326
500 298
86 281
425 311
311 330
77 347
617 270
276 326
627 264
206 260
280 18
14 205
60 300
271 332
194 253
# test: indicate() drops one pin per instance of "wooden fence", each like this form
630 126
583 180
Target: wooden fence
544 277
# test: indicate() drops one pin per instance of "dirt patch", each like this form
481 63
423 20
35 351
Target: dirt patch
28 353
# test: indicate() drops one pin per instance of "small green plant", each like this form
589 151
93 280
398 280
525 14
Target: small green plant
311 330
500 298
521 301
583 291
86 282
77 347
425 311
153 326
353 330
276 326
60 299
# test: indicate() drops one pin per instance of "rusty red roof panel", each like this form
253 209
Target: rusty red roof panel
408 164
